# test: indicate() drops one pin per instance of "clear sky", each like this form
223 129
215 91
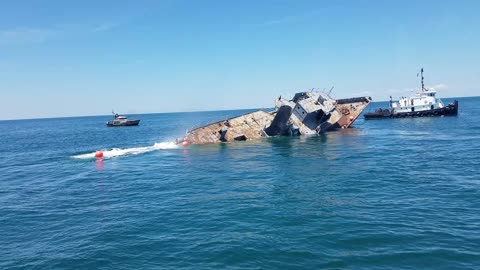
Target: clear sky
69 58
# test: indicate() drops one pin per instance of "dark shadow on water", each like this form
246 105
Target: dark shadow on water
282 146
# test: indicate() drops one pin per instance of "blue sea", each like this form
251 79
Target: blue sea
385 194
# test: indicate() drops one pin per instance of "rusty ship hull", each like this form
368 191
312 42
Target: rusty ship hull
308 113
243 127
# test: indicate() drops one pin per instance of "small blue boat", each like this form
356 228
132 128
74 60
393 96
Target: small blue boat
122 121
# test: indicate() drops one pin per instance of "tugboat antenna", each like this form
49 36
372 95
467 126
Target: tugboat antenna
423 86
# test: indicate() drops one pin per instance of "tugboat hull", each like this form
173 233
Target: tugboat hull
449 110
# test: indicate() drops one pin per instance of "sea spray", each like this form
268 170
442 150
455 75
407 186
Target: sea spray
117 152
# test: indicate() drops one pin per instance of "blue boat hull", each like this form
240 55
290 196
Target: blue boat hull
123 123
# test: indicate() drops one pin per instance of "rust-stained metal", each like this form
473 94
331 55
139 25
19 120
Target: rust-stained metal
308 113
351 108
240 128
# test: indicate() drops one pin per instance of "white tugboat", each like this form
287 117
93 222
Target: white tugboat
421 104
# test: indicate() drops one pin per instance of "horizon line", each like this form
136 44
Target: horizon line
171 112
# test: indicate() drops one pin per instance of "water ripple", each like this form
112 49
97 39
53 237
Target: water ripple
385 195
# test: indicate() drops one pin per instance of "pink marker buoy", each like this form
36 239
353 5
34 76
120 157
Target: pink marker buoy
185 143
99 154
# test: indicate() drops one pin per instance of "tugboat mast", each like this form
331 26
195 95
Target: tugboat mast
423 86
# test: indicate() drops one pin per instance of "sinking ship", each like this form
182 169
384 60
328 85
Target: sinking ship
307 113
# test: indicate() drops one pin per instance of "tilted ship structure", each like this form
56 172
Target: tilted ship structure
307 113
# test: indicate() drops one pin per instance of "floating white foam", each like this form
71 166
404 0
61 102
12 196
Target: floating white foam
116 152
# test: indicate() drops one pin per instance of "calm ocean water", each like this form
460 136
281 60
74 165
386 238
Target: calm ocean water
387 194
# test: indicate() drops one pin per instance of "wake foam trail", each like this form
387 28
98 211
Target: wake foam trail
117 152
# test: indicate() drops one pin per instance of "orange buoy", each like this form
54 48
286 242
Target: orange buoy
185 143
99 154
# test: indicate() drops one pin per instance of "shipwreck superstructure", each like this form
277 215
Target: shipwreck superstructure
307 113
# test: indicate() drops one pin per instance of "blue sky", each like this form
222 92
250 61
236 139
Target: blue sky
69 58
